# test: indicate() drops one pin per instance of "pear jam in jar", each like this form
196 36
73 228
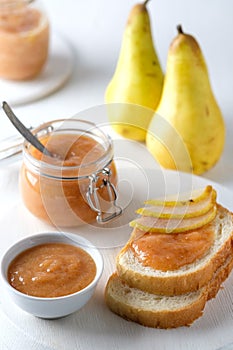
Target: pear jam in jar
77 185
24 39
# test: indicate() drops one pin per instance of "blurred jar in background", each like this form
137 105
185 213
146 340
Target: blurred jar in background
24 39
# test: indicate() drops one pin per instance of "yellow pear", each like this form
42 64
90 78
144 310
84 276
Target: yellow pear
172 225
192 197
187 131
189 208
135 89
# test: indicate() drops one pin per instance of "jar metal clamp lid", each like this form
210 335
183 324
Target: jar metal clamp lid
93 199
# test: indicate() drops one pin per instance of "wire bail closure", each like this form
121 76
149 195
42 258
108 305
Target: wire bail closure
93 200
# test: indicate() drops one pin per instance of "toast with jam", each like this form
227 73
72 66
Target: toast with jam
174 262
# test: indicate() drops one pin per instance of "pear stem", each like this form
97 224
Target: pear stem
179 29
145 2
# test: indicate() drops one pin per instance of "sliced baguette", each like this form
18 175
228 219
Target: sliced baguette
188 278
162 311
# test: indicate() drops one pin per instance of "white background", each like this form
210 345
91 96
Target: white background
94 30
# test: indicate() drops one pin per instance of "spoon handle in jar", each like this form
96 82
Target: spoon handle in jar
23 130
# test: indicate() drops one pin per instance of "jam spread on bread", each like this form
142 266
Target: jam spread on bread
172 251
171 234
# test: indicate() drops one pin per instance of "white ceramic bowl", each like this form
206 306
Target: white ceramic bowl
51 307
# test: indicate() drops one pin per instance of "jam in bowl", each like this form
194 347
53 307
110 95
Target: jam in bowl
64 271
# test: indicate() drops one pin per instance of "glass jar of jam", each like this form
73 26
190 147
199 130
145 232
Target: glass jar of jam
78 184
24 39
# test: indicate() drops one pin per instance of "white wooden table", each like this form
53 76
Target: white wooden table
94 30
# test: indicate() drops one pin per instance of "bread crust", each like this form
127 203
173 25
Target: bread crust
160 319
177 284
220 276
182 316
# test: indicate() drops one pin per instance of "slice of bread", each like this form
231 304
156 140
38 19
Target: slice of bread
188 278
158 311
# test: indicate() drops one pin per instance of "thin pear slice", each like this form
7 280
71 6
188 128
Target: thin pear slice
184 198
151 224
189 209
